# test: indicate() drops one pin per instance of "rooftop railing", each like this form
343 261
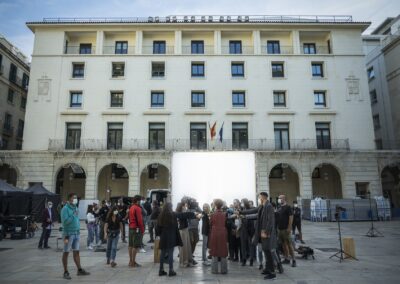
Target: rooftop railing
209 145
207 19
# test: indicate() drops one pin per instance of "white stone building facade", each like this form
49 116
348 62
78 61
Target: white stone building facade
111 101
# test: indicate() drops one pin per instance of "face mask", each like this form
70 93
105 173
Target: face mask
295 206
279 201
75 201
115 212
50 206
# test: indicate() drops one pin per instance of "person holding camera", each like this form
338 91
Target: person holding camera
71 230
112 230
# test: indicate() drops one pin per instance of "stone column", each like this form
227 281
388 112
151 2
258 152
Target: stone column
139 42
99 42
217 42
178 42
262 174
91 179
256 42
134 177
296 42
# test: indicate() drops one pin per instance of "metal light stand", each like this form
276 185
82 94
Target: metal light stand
341 253
372 232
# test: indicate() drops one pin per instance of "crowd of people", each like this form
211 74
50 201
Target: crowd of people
239 232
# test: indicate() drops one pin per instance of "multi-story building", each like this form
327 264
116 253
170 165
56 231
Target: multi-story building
382 49
110 101
14 79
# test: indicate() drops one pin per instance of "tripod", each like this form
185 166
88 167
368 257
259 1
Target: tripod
372 232
341 253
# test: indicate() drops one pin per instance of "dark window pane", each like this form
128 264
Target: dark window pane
273 47
121 47
277 70
235 47
197 47
159 47
78 70
197 69
237 69
117 99
85 48
157 99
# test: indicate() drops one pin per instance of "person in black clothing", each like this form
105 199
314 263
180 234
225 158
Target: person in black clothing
122 212
285 228
205 231
155 212
103 217
147 207
112 230
297 221
233 225
167 229
247 230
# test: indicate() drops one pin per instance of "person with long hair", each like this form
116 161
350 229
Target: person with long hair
90 223
112 230
185 252
167 230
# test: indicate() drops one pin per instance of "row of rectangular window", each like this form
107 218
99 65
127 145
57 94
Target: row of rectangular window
197 99
198 47
7 125
12 75
11 98
198 135
197 69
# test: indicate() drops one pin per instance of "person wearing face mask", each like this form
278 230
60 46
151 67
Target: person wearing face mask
47 222
71 231
112 230
297 221
284 229
103 212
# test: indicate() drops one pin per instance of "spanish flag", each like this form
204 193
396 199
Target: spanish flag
212 130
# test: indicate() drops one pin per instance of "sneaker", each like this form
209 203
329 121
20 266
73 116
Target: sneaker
82 272
47 247
136 265
270 276
260 267
162 273
265 272
142 250
172 273
90 248
206 263
286 261
302 242
194 262
294 263
66 275
113 264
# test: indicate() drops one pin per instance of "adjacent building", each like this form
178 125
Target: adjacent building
382 49
14 80
110 101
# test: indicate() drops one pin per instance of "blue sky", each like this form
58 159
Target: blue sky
14 13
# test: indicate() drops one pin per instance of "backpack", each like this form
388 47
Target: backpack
305 252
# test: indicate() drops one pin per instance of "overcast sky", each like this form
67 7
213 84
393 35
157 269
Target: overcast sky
15 13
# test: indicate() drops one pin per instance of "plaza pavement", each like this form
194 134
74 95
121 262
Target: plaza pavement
379 261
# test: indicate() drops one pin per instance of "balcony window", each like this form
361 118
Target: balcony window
277 70
197 47
235 47
13 73
309 48
319 98
371 73
73 138
156 136
10 96
317 70
198 99
157 99
121 47
117 99
376 121
197 69
114 136
7 121
198 136
374 97
238 99
78 70
20 131
25 81
281 133
237 69
118 69
159 47
279 99
85 48
4 144
323 135
75 100
23 103
158 69
273 47
240 135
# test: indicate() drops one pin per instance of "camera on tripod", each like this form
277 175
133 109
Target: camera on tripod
338 210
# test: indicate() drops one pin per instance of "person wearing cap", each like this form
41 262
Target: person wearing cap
47 221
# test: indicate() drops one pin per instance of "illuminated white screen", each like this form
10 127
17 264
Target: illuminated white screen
206 176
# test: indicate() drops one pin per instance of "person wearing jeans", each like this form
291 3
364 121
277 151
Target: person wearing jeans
112 230
46 225
91 223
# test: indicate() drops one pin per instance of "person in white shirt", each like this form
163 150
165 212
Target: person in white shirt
91 223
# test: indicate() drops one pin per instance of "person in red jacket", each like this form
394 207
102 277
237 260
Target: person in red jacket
136 230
